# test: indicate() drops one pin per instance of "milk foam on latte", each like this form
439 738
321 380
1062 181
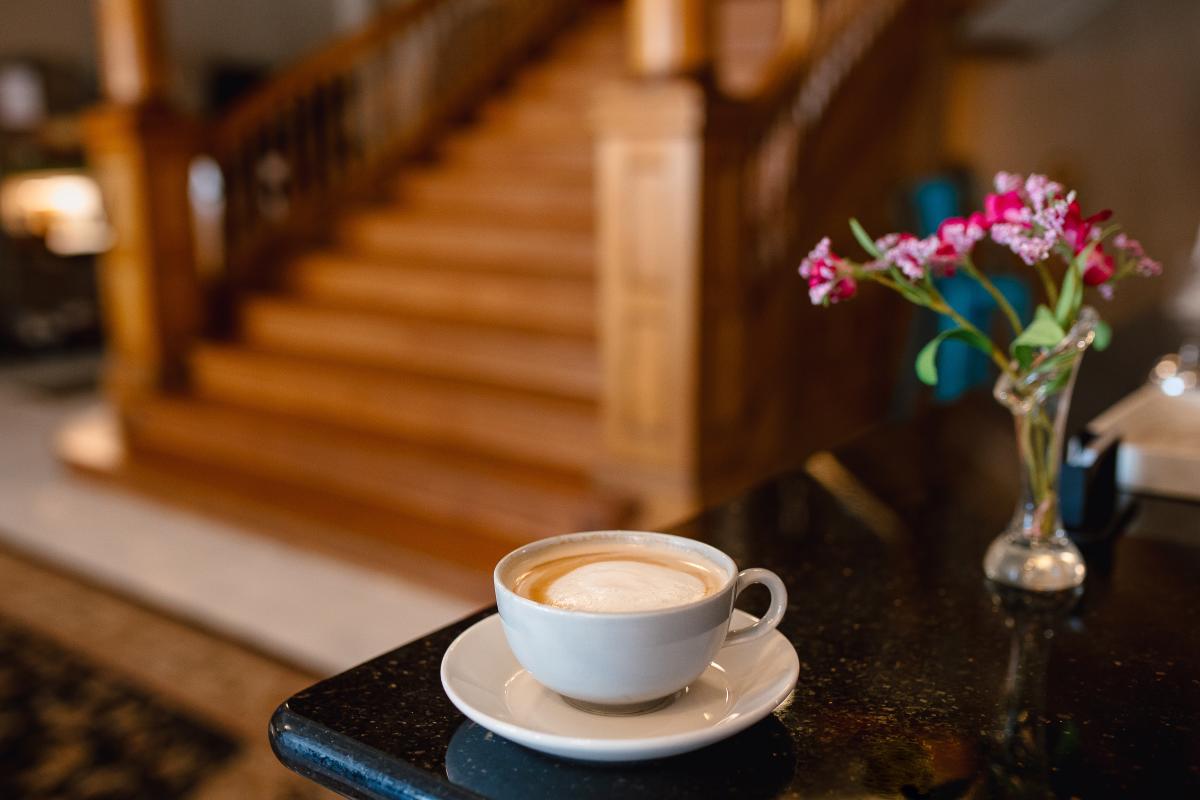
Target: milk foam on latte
618 579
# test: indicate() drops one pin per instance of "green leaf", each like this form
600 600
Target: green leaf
1044 331
927 358
864 240
1066 298
1071 296
910 292
1103 335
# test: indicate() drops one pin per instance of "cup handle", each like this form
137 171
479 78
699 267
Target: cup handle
774 614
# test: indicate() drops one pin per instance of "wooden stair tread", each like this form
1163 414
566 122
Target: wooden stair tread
483 147
502 498
470 240
466 417
532 125
546 83
563 303
574 186
565 203
538 119
498 176
361 532
559 365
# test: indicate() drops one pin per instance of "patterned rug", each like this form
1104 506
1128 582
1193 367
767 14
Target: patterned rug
101 699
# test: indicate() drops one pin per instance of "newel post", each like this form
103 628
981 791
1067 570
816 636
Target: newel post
650 153
140 151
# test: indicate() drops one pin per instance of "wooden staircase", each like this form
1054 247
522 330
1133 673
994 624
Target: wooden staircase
549 290
435 357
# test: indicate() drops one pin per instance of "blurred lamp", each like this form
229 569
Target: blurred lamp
64 208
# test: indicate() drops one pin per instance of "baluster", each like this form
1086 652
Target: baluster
296 149
364 99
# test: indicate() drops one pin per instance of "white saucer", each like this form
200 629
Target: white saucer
744 684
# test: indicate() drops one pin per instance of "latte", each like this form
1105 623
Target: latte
615 578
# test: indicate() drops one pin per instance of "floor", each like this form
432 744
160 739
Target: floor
101 697
322 614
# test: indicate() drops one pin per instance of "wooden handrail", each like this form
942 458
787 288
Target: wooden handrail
335 58
325 129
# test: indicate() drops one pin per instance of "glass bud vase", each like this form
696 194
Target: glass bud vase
1034 552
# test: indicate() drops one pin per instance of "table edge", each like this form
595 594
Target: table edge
334 760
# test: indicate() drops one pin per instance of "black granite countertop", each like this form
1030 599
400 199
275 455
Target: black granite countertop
917 679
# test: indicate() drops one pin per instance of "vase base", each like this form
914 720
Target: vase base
1015 560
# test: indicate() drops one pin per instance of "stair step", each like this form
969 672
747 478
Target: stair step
499 176
508 424
355 530
563 304
503 499
453 240
562 202
538 119
595 42
482 148
567 86
558 365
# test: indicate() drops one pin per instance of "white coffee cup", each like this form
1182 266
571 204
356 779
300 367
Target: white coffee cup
626 662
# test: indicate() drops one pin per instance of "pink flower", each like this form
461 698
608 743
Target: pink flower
1027 215
1078 231
907 253
1099 267
1008 182
1005 207
958 236
1051 218
1129 244
828 279
1019 238
1132 248
1041 191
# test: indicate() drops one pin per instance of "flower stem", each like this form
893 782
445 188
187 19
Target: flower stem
997 295
940 305
1047 283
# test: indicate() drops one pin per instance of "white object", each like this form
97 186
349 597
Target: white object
743 685
22 97
627 658
1160 441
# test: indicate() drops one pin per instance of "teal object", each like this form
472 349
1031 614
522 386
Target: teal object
960 367
934 200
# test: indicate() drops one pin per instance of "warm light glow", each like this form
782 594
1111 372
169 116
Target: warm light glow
1164 368
63 208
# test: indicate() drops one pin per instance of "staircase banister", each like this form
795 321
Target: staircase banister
338 56
322 132
817 42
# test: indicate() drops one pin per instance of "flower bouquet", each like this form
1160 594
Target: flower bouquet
1042 223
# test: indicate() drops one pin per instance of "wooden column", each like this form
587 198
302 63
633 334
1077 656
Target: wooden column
650 150
798 25
132 66
668 38
650 167
140 151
